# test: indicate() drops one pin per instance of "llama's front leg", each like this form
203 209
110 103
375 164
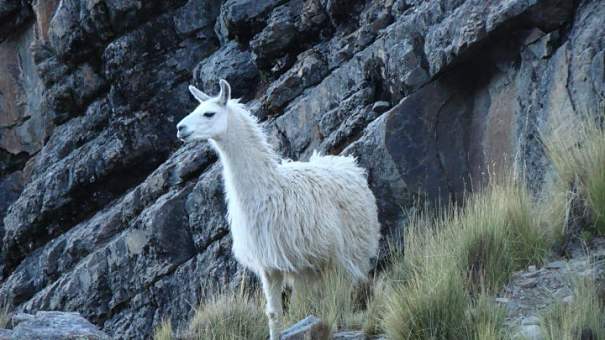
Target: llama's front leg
272 287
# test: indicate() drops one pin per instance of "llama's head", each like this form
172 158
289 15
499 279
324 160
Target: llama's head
209 119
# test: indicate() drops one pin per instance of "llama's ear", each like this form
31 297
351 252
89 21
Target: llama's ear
199 95
225 94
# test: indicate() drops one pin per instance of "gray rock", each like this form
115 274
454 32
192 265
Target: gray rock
528 282
309 328
290 29
531 332
339 10
17 318
502 300
278 36
6 334
544 47
232 64
568 299
309 70
532 320
555 265
381 106
13 14
57 326
351 335
242 19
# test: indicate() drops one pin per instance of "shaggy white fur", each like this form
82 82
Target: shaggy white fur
288 219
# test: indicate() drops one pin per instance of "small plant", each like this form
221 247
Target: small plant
580 319
424 309
498 231
577 151
486 320
163 331
4 315
334 299
229 316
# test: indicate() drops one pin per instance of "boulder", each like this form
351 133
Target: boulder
241 19
232 64
54 326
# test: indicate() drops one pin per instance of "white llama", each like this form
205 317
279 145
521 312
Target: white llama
288 219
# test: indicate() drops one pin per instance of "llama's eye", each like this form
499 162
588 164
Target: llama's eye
209 114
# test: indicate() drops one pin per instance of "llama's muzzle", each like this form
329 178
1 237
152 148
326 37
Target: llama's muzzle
182 132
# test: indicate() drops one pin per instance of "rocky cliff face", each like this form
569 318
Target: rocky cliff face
104 212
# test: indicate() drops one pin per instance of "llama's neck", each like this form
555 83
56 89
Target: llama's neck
249 162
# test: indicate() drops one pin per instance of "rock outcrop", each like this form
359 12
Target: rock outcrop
51 326
105 213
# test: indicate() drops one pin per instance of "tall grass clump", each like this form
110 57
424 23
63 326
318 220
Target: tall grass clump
423 309
229 316
486 319
457 255
4 315
163 331
583 318
498 231
333 298
577 150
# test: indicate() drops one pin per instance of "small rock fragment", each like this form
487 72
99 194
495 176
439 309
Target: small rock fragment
356 335
381 106
568 299
531 320
17 318
528 282
6 334
555 265
309 328
531 332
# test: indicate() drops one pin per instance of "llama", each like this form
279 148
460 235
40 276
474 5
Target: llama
288 220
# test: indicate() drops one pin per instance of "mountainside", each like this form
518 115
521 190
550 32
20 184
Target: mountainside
103 211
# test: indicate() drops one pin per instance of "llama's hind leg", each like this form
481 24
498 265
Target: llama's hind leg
272 282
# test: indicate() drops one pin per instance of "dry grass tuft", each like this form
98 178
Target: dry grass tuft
229 316
333 299
4 315
454 257
577 151
163 331
583 318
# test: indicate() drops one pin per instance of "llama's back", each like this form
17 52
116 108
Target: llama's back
335 189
